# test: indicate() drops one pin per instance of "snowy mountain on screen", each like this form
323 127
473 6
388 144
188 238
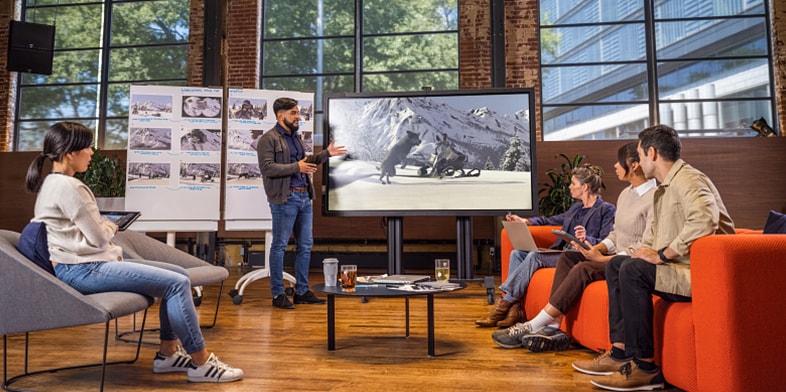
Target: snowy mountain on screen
369 128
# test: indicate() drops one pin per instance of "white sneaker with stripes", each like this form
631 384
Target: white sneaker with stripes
213 371
177 362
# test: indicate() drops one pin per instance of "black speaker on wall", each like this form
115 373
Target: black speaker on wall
31 47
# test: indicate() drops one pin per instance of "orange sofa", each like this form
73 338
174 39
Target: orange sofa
732 340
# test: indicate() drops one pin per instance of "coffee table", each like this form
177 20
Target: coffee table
379 291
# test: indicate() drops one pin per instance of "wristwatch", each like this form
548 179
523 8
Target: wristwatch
663 257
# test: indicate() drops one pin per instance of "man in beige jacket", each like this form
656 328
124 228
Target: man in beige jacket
687 206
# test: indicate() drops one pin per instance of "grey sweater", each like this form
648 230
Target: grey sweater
76 231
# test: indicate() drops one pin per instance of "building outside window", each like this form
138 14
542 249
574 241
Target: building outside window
613 67
101 48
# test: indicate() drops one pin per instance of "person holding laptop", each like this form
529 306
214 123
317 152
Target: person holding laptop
590 219
84 257
576 270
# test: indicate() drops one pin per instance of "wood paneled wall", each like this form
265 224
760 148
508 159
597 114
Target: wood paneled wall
747 171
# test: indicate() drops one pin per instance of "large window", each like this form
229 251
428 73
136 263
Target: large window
613 67
330 46
101 48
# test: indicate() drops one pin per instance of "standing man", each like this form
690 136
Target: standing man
286 172
687 206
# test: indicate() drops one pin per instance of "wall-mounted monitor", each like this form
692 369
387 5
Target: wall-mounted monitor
457 153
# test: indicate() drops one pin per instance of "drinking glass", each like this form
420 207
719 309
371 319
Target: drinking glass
442 270
349 277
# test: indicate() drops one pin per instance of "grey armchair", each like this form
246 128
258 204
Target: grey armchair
34 300
141 247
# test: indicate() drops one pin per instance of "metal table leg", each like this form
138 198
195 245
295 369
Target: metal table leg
406 313
431 325
331 321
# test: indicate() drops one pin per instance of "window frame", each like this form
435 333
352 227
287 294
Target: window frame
655 98
104 76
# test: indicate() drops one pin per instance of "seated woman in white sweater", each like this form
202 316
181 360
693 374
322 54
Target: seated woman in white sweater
84 257
576 270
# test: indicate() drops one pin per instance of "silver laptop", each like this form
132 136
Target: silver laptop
521 238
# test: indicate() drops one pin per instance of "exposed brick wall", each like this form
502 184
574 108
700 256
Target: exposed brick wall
522 60
475 44
243 43
778 15
196 38
8 12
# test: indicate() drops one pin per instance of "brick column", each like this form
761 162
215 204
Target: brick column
8 12
196 38
778 16
243 43
522 42
241 48
475 44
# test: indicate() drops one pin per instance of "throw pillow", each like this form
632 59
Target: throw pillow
776 223
34 245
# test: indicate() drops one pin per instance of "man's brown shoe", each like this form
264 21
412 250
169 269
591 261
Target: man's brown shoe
602 365
499 312
630 377
514 316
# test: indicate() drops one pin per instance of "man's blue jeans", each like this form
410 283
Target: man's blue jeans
294 216
521 268
171 283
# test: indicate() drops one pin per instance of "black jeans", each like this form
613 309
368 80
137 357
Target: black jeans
631 284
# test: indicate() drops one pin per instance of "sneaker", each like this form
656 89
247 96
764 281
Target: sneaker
282 301
308 298
511 337
177 362
630 377
602 365
546 339
214 371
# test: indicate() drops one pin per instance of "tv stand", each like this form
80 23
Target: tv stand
464 270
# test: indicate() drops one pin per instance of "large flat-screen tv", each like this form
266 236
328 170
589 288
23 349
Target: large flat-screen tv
457 153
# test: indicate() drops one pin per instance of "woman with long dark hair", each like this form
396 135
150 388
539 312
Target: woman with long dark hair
84 257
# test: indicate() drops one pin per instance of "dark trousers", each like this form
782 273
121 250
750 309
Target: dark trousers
631 284
572 276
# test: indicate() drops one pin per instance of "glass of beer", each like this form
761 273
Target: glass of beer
442 270
349 277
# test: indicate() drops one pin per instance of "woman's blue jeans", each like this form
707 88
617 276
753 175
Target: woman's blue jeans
177 314
520 270
294 216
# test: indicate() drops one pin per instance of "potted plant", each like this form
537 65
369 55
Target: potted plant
106 177
555 196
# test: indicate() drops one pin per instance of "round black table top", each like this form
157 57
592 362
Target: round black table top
379 290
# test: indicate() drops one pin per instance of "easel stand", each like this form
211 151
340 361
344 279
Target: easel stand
257 274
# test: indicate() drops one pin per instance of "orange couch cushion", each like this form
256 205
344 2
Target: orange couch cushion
541 234
675 344
739 309
538 292
588 321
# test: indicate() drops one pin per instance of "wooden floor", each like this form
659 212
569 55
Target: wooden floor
287 350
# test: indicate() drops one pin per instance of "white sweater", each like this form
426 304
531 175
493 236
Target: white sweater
634 215
76 231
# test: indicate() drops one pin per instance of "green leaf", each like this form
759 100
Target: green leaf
105 176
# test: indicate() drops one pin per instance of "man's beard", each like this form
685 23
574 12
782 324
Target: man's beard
293 126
